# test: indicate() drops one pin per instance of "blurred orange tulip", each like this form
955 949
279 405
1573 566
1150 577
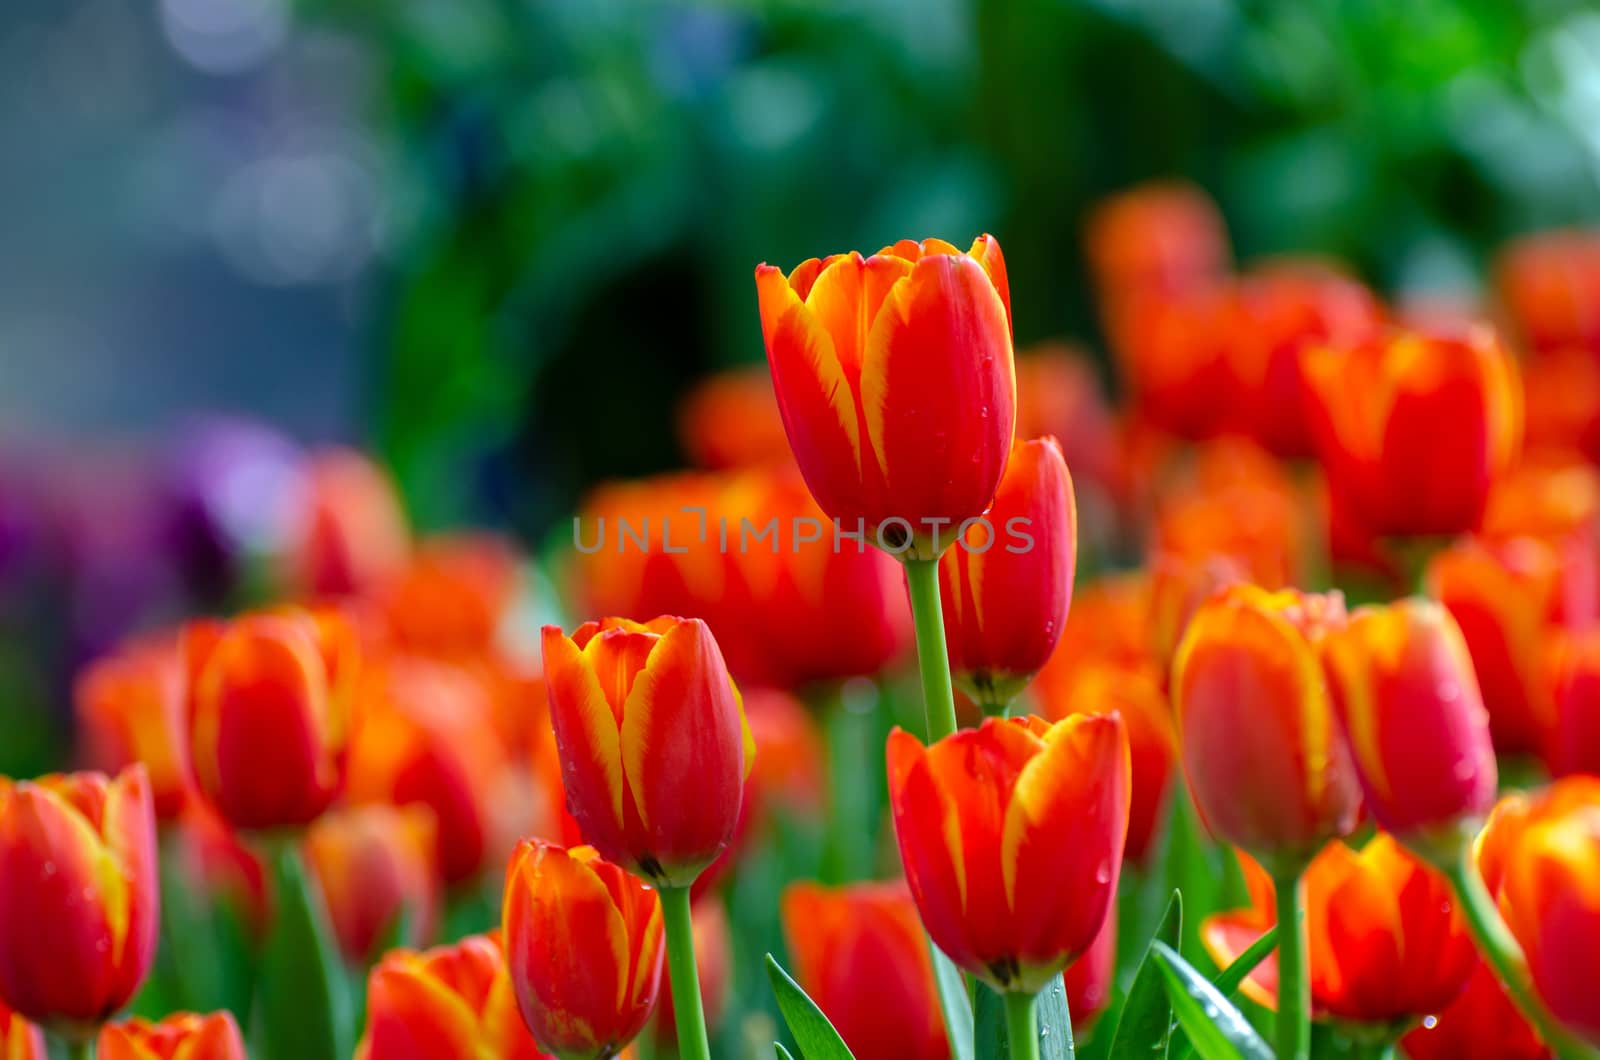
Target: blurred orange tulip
584 945
351 530
654 745
79 897
1570 676
1562 391
1040 812
1007 588
1417 727
218 864
1481 1024
1259 739
130 708
450 1003
19 1039
713 955
1541 854
894 376
1414 427
1089 979
1059 393
860 953
1387 941
1158 237
377 869
790 768
453 595
1554 498
1549 283
182 1036
731 420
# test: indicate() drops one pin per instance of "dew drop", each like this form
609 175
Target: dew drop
1103 873
1430 1022
49 868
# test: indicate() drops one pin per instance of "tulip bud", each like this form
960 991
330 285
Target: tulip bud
1570 674
895 380
584 944
860 953
654 746
79 899
452 597
1089 979
375 866
1158 237
19 1039
183 1036
1260 744
350 531
731 420
1041 812
130 708
1007 584
450 1003
1417 728
1549 283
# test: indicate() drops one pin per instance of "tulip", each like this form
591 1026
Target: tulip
1041 812
130 708
1571 674
1480 1024
1260 741
453 595
790 766
1561 389
1418 731
1008 584
377 870
583 943
350 531
1389 944
859 953
270 704
1059 393
731 420
1554 499
79 898
216 862
19 1039
1089 979
183 1036
1549 283
894 377
450 1003
1414 427
713 950
1157 237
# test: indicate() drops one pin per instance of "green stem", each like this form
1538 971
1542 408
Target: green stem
852 741
79 1047
1022 1032
686 1003
1504 954
933 657
1294 985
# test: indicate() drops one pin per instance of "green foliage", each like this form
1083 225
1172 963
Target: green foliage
811 1029
302 1008
1215 1028
1145 1026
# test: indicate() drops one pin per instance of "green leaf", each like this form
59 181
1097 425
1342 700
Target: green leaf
302 1004
989 1024
812 1032
783 1054
953 1004
1146 1025
1230 979
1217 1029
1055 1022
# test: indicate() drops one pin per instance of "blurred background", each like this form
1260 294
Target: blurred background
494 240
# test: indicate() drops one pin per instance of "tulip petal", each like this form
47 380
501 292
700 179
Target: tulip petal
586 729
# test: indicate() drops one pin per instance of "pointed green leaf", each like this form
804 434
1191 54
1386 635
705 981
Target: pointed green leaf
783 1054
812 1032
1146 1025
989 1025
1230 979
1216 1029
302 1000
1055 1022
953 1003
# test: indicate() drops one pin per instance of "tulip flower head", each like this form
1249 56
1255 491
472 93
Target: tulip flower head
376 868
19 1039
1012 836
130 709
79 898
183 1036
895 379
653 741
583 942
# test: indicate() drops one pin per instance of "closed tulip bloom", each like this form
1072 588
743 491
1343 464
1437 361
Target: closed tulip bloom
1060 393
350 531
654 745
1388 943
1554 498
1481 1024
1160 236
453 1002
731 420
19 1039
270 703
453 595
1007 585
130 708
1418 731
713 957
1259 738
1089 979
79 898
1041 814
861 955
1549 283
376 868
182 1036
1542 854
895 380
1561 389
584 944
1414 427
1571 673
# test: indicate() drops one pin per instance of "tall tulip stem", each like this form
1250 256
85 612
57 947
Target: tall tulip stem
1504 954
685 974
79 1047
933 656
1294 983
1022 1027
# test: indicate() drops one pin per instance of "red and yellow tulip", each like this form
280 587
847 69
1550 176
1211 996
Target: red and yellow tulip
130 708
182 1036
376 867
19 1039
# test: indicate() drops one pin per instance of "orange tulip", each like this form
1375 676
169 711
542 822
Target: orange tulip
1007 586
19 1039
1059 393
79 899
1481 1024
130 709
1418 731
860 954
654 746
1260 742
453 595
1089 979
351 531
1561 389
1387 941
584 945
1549 283
1161 236
183 1036
1012 837
790 768
450 1003
731 420
1414 427
376 865
1554 498
216 862
713 955
894 376
1541 853
1570 674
